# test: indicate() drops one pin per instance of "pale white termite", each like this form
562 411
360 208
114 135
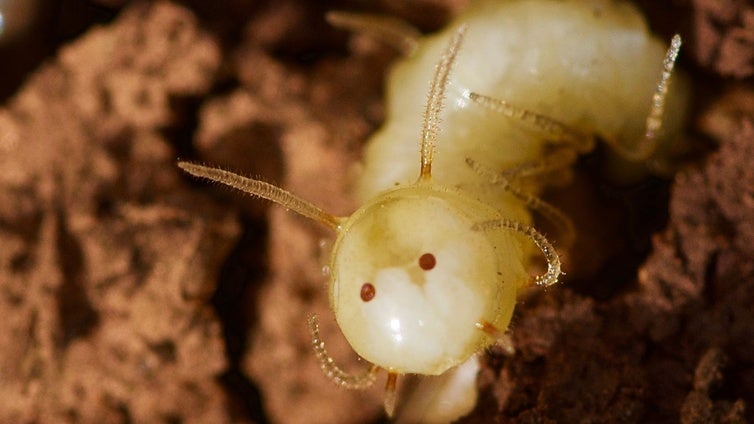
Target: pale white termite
424 275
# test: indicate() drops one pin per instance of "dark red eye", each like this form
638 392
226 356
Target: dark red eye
367 292
427 261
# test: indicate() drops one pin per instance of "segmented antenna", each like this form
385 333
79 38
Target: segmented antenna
551 255
263 190
436 102
334 372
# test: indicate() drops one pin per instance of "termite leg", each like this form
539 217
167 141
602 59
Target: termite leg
390 393
562 222
648 144
552 130
395 32
551 161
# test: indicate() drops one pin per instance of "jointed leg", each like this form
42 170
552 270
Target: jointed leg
647 146
551 161
553 130
395 32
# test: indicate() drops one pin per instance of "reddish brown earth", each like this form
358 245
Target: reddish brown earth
131 293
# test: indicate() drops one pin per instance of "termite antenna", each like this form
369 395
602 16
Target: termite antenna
551 255
334 372
436 101
263 190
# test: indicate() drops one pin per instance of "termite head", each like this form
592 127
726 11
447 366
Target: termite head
411 279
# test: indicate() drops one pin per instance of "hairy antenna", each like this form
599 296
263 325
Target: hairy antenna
263 190
436 101
334 372
553 261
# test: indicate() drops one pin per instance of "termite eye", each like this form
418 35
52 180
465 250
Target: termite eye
427 261
367 292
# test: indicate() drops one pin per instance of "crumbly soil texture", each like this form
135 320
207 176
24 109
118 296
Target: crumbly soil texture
132 293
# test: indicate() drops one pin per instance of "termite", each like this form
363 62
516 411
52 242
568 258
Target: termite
424 275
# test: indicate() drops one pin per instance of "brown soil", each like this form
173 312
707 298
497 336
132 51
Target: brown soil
131 293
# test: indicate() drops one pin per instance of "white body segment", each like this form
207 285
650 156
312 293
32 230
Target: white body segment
590 64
